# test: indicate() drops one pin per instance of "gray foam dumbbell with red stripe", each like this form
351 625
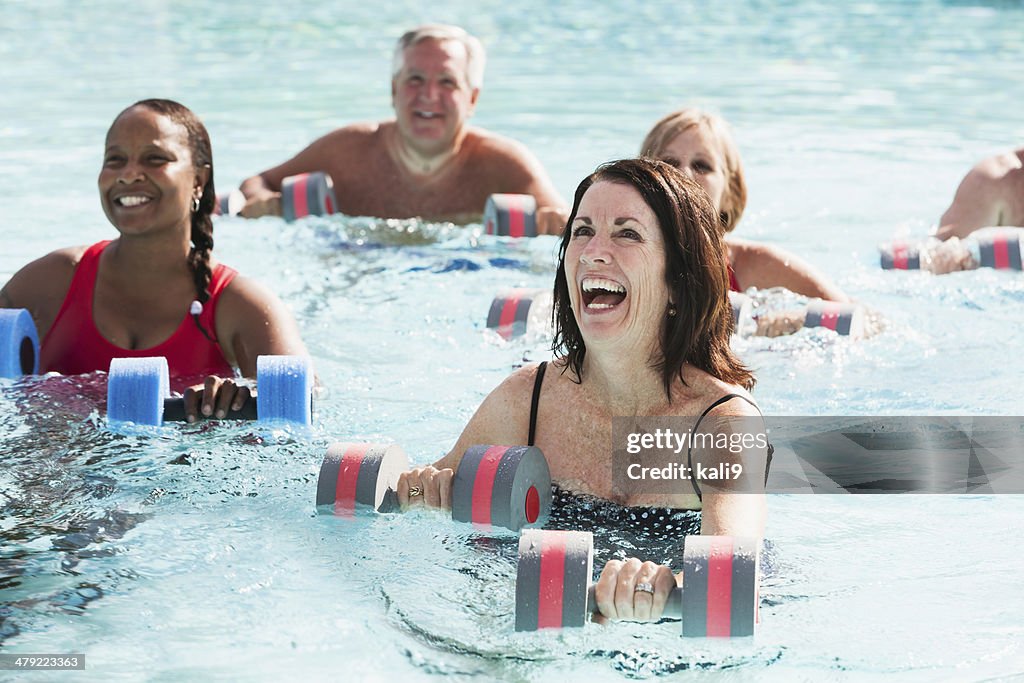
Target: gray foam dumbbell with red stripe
1001 250
493 487
307 194
846 319
900 255
718 599
511 215
514 311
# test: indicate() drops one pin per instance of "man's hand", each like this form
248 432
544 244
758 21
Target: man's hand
264 204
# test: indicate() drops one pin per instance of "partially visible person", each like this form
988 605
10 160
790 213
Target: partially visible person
642 329
990 195
700 145
156 289
428 161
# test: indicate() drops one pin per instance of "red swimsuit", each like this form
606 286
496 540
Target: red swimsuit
734 284
74 346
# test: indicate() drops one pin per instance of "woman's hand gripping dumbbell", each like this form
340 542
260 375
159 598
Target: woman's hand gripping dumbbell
493 486
138 391
718 597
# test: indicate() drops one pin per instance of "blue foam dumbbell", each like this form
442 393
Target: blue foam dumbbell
138 390
19 343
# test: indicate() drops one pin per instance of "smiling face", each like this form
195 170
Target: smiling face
432 96
615 266
696 153
148 180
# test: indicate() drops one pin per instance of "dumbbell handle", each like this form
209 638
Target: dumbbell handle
673 607
174 411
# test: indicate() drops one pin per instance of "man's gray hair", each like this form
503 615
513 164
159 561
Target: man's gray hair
475 55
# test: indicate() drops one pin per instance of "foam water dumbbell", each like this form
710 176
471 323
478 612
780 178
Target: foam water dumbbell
511 215
229 204
718 598
900 255
516 311
847 319
1001 250
138 390
19 343
493 487
305 194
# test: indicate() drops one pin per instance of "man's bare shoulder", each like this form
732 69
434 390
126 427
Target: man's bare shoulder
356 133
485 142
1008 166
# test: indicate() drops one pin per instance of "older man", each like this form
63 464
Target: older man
427 161
991 194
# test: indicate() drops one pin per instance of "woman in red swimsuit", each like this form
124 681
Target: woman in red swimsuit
699 144
156 290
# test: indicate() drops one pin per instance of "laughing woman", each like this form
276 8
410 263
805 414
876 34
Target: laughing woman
156 290
642 330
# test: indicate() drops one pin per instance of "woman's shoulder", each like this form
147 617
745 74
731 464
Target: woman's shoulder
704 393
745 253
245 304
243 291
63 260
523 379
45 277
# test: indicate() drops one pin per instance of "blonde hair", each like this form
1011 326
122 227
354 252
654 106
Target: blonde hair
734 198
475 55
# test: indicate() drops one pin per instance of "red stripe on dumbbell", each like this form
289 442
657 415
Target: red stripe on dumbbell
719 588
508 316
552 582
830 317
1000 252
483 485
899 256
516 217
348 478
532 505
299 199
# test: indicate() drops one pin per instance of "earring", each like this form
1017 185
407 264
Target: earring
195 204
671 311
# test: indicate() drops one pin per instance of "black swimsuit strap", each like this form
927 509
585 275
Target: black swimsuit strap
537 382
689 451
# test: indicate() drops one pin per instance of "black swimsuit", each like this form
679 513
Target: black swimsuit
654 533
539 380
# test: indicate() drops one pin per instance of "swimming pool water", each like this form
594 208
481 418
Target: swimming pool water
195 553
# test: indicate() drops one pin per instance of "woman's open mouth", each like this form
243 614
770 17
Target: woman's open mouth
601 293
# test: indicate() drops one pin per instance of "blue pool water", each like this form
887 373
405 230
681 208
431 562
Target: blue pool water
194 553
